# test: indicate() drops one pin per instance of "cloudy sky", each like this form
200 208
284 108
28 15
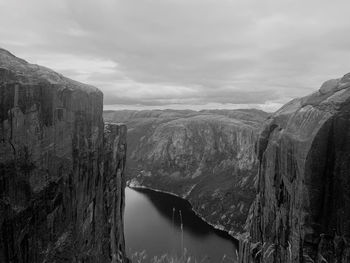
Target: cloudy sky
184 53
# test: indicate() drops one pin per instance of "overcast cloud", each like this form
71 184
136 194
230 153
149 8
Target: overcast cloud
185 53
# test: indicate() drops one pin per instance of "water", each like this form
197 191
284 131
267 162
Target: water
153 225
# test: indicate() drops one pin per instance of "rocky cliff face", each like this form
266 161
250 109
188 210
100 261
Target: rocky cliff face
61 171
206 157
302 210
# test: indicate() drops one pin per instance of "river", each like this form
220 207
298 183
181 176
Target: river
153 223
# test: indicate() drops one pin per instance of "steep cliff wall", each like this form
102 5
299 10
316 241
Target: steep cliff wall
206 157
302 210
61 173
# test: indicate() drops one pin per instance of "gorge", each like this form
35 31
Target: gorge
301 173
206 157
279 183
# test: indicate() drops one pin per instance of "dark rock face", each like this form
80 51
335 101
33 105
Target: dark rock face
302 210
206 157
61 171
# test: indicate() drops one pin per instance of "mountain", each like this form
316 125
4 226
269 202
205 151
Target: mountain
302 209
61 169
206 157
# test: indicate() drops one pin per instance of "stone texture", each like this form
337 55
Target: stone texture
302 209
206 157
114 183
61 172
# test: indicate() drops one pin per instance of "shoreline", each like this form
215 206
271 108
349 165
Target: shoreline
218 228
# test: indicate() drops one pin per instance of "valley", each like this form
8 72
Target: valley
206 157
277 184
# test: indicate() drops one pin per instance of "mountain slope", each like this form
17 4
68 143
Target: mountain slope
207 157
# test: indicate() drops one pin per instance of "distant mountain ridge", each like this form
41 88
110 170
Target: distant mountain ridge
207 157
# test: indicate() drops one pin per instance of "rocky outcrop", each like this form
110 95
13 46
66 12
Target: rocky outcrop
114 183
61 171
302 210
206 157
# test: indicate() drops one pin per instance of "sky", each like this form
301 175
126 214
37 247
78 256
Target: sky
185 54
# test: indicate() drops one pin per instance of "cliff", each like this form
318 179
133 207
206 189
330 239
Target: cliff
206 157
61 171
302 210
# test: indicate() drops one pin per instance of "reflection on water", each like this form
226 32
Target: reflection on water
152 223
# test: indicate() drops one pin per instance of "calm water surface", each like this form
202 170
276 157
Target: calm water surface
152 223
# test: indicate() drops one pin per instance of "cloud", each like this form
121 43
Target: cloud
156 53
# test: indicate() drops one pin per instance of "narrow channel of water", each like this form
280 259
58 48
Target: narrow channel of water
153 223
